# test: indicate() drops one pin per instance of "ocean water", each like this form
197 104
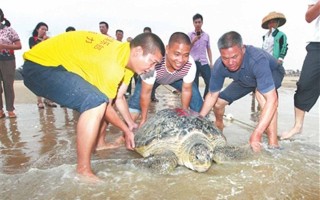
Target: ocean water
38 159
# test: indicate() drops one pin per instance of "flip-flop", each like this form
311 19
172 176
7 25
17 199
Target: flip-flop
12 115
40 105
2 115
50 103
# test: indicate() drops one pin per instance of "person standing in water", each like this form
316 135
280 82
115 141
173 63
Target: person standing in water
95 74
308 85
252 69
39 34
9 41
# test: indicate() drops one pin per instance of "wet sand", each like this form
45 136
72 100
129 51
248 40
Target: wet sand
38 157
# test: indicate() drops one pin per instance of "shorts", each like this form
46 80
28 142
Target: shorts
235 91
61 86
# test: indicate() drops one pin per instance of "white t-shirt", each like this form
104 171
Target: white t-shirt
316 23
268 42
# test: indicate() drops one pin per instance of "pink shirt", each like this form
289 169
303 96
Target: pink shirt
7 36
199 48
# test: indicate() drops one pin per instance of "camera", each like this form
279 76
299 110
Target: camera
198 33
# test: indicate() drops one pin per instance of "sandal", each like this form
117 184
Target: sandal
50 103
175 91
2 115
11 114
40 105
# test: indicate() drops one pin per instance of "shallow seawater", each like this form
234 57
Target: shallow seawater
38 160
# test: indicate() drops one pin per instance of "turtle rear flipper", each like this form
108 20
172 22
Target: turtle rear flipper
159 163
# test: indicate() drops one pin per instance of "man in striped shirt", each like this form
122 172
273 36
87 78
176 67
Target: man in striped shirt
177 69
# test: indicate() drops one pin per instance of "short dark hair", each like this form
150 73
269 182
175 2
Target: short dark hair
149 42
119 30
70 28
105 23
147 29
179 37
197 16
230 39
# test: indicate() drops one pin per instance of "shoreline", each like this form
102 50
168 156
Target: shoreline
288 82
24 96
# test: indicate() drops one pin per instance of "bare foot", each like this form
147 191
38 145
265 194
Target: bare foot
288 135
120 140
85 174
219 125
89 178
255 142
108 146
256 146
134 116
273 141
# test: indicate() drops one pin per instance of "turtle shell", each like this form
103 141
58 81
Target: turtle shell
183 132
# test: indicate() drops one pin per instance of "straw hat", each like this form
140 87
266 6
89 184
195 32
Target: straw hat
273 15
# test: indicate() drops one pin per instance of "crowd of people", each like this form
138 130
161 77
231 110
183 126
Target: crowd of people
92 74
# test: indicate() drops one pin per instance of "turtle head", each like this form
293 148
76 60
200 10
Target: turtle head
199 157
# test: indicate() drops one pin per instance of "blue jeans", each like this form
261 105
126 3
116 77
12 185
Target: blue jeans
195 104
65 88
205 72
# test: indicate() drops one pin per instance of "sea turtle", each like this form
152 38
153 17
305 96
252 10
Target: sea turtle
181 137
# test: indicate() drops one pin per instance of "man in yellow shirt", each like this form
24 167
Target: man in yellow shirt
87 71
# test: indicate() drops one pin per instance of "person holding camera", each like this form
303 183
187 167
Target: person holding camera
308 85
200 47
39 34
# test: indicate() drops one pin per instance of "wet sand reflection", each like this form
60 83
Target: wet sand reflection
13 157
38 150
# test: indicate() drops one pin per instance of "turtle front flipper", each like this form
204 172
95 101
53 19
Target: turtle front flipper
160 163
232 153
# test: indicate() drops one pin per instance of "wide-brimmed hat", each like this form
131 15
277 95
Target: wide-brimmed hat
273 15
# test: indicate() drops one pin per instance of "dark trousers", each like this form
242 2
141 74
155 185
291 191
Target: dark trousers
205 72
308 86
7 73
135 78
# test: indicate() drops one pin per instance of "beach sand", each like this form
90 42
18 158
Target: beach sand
38 157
